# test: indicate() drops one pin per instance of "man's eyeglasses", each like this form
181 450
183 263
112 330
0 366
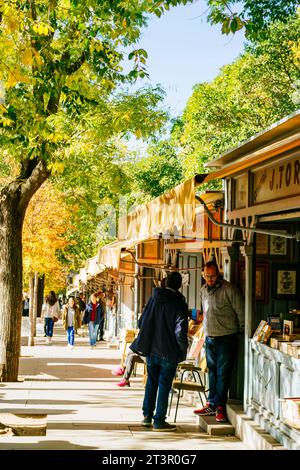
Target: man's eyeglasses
214 276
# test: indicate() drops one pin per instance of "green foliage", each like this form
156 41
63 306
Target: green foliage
160 171
246 97
254 15
60 64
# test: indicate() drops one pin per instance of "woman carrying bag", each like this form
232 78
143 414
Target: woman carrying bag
50 313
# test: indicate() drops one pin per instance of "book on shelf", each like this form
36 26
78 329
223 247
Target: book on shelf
275 341
275 323
288 326
263 332
259 329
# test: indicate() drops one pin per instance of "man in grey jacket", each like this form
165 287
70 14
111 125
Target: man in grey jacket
224 311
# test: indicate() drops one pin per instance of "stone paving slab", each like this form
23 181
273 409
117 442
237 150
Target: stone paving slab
84 407
24 424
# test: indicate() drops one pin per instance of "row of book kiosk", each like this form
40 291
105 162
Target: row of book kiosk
281 334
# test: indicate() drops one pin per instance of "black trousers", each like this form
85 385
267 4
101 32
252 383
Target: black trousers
100 332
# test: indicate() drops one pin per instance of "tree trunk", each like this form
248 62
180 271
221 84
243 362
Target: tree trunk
11 220
31 322
14 199
40 295
35 300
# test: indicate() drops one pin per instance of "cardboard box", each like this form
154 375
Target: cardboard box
290 411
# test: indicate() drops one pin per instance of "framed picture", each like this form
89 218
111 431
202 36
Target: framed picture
286 282
261 281
278 245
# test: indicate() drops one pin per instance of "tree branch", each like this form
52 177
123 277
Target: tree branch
69 69
38 176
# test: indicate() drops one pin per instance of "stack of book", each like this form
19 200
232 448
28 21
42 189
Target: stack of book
275 323
290 411
263 332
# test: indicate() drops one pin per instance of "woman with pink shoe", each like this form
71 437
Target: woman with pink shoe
131 359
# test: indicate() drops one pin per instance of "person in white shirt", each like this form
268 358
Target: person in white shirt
50 313
71 320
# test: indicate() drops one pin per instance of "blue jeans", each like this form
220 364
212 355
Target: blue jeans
93 329
220 355
49 327
161 373
71 334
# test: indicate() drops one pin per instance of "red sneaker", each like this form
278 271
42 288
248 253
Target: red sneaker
124 383
207 410
221 414
118 371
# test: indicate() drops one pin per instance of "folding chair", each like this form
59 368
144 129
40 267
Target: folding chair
128 336
193 369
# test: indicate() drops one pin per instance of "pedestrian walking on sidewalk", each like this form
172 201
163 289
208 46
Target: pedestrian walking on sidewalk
81 305
102 301
71 320
223 319
50 313
92 318
163 340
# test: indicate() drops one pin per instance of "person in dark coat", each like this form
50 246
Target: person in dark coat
163 340
101 300
92 317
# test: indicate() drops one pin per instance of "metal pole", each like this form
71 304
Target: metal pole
246 229
137 282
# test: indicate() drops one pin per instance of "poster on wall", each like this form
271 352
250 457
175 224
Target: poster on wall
286 282
278 245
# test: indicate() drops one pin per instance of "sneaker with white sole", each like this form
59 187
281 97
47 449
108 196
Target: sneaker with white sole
221 415
207 410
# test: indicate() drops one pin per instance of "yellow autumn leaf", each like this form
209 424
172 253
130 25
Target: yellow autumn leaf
37 57
12 24
58 167
99 46
40 29
26 57
11 81
15 76
8 43
2 108
124 23
6 121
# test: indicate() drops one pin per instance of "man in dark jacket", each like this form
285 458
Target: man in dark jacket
163 339
92 318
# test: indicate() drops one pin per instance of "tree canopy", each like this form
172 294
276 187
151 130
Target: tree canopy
247 96
255 16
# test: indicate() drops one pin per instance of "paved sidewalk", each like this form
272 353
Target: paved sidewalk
85 408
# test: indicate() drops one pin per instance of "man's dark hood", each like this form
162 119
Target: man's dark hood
165 294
